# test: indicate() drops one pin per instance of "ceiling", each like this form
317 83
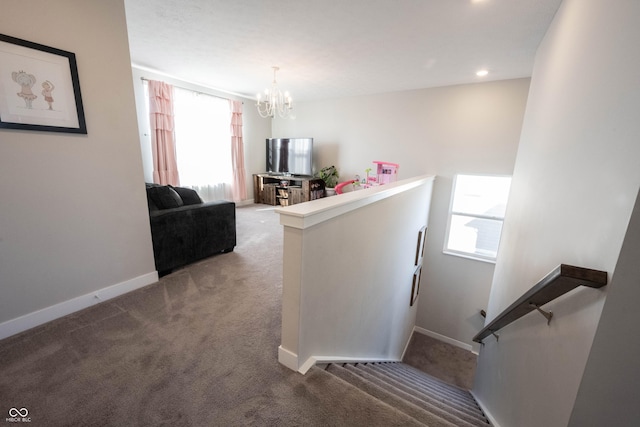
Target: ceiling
336 48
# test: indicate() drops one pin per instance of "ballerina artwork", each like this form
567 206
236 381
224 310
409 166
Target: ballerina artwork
47 88
26 81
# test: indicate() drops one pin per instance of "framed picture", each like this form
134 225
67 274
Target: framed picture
39 88
415 286
422 234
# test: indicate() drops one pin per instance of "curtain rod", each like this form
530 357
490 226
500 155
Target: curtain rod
195 91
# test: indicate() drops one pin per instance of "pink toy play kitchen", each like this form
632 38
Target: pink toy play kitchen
386 172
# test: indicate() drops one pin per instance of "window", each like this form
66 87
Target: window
476 213
203 142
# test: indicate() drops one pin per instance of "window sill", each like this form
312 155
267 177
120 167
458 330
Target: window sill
470 256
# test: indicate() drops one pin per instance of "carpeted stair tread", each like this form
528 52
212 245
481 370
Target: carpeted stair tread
449 412
428 389
425 377
427 382
423 416
346 397
422 374
418 377
432 389
463 409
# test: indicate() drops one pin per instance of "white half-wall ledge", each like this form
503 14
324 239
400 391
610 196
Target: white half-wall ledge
40 317
304 215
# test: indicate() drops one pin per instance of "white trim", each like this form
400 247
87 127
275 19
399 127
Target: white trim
462 254
406 346
338 359
305 215
307 365
467 255
479 216
487 414
288 358
443 338
39 317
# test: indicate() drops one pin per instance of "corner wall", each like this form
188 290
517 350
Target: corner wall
575 182
74 218
609 388
443 131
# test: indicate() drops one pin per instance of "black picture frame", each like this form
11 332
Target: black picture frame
55 104
422 234
415 285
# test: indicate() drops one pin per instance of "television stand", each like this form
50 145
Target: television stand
285 190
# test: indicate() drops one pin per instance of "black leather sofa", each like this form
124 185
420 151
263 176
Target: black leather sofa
184 229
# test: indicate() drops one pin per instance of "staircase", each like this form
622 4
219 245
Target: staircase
426 399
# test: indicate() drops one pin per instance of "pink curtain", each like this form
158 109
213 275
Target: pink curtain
163 145
239 187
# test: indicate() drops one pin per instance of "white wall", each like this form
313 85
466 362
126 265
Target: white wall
255 129
609 388
575 182
347 285
443 131
73 213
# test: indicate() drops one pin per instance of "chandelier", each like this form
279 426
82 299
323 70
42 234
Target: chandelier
275 102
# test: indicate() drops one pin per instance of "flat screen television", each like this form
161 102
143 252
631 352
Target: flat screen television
290 156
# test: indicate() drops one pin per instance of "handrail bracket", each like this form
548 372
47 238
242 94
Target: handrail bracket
547 314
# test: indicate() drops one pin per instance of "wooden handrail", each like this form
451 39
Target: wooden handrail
557 283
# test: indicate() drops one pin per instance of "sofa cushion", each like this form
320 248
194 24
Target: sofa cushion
152 205
164 197
188 195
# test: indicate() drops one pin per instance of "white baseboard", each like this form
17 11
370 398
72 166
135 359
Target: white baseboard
287 358
338 359
290 360
406 346
37 318
443 338
491 419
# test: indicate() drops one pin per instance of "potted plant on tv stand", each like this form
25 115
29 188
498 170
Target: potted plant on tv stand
329 174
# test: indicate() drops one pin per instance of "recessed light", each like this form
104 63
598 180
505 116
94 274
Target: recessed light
482 73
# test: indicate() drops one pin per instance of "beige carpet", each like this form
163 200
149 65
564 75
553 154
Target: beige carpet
197 348
445 361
